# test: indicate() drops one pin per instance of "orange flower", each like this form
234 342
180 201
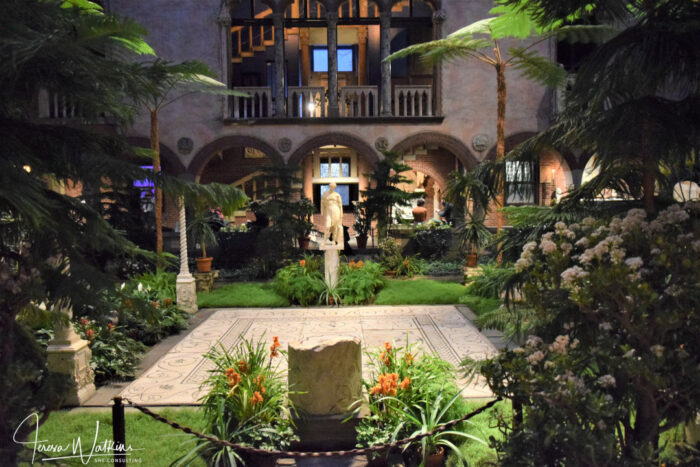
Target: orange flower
275 342
387 346
233 377
352 264
242 366
386 385
302 263
409 358
404 384
405 262
90 333
360 264
167 302
274 352
84 321
110 326
257 398
385 358
154 304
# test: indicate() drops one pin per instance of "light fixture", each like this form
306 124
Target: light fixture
553 170
311 107
27 168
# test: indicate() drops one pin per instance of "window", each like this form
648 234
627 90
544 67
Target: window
520 183
333 167
346 59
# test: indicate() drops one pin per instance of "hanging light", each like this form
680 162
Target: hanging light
27 168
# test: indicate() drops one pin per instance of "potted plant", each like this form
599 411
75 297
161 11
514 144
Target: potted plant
202 232
475 236
363 224
426 415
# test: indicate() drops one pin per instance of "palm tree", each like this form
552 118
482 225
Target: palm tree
166 83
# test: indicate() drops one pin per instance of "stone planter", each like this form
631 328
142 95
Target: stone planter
204 264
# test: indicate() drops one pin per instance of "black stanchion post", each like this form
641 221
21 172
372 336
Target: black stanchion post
517 413
119 431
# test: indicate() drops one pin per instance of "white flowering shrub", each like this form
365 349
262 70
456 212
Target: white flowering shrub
614 359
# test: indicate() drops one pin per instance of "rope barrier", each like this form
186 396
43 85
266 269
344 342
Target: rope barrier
274 453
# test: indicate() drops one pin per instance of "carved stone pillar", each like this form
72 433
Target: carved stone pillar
185 284
332 25
305 57
224 22
69 354
384 51
361 55
278 22
438 20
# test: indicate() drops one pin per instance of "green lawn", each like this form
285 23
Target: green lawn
395 292
157 443
242 294
419 292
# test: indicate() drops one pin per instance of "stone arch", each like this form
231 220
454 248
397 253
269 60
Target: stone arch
452 144
339 139
203 156
166 154
511 141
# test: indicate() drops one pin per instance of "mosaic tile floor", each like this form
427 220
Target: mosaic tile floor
177 377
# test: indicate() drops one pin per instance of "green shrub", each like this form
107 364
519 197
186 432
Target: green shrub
115 355
443 268
301 283
491 281
410 266
359 281
432 241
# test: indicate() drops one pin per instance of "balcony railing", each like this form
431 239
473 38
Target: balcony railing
310 102
258 104
413 101
359 101
306 102
56 106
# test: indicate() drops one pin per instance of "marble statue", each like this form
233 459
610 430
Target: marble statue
332 211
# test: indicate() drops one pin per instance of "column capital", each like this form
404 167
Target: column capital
332 16
362 33
304 35
224 17
439 16
278 17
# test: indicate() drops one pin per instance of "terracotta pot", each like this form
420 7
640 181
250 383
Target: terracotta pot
204 264
304 242
362 241
472 260
436 459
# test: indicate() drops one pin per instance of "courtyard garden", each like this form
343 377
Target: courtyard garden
492 332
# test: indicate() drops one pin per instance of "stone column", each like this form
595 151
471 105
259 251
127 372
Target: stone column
332 21
384 52
305 57
438 19
186 287
362 55
278 22
331 262
224 22
69 354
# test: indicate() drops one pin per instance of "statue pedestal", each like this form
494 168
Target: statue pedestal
186 291
69 354
331 262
